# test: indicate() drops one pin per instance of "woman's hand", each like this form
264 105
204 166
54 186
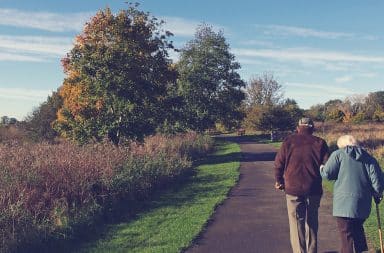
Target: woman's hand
377 198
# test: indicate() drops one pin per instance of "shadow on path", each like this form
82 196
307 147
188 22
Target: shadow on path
245 157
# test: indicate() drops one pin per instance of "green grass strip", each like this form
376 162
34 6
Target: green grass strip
177 216
371 225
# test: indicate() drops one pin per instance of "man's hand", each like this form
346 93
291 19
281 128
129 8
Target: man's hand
279 186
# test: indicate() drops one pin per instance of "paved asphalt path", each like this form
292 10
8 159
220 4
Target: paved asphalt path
254 217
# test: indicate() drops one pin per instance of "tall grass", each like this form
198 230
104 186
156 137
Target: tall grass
370 135
46 191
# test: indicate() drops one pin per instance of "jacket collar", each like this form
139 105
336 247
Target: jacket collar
305 130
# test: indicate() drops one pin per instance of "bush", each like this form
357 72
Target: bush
47 190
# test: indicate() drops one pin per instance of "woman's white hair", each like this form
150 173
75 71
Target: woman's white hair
346 140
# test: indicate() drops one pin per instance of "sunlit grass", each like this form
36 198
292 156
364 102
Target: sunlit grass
174 218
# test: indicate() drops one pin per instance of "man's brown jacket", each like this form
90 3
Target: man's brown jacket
297 164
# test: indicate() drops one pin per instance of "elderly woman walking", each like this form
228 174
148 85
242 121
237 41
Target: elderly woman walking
358 179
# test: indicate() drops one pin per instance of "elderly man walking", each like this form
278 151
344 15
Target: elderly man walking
297 172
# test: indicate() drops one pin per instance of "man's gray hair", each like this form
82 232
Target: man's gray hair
346 140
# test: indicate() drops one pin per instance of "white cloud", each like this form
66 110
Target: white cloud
262 43
320 89
180 26
308 94
368 75
49 21
24 94
174 56
15 57
185 27
53 46
343 79
250 61
282 30
307 54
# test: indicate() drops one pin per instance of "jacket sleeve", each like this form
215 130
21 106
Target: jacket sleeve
324 152
280 164
376 177
331 168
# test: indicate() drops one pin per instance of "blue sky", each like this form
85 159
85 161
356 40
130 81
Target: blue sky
318 50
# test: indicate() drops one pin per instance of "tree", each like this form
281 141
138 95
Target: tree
294 112
209 82
332 110
5 120
350 107
264 90
316 112
275 118
117 78
374 103
264 93
39 122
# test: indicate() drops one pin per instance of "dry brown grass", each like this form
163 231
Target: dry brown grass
370 135
46 190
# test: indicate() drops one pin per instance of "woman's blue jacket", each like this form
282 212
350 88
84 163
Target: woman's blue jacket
357 177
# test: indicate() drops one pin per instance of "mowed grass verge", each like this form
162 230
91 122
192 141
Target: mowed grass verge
175 217
371 225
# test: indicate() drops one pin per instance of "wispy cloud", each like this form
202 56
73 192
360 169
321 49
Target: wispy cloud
180 26
16 57
56 46
49 21
282 30
368 75
186 27
320 89
343 79
307 54
24 94
262 43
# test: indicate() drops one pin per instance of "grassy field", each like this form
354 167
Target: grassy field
174 218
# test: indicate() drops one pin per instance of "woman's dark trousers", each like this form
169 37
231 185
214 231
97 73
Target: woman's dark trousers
352 235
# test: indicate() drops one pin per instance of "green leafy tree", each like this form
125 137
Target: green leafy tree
332 110
316 112
275 118
209 82
39 122
294 112
117 78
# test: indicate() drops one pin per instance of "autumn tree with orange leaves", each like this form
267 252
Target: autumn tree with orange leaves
118 75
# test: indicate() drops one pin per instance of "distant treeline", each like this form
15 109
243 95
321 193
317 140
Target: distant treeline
354 109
